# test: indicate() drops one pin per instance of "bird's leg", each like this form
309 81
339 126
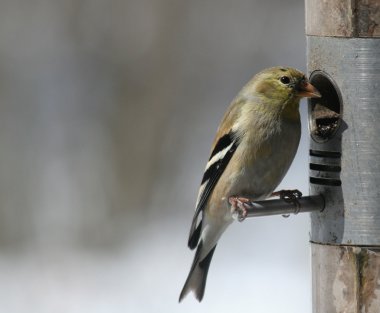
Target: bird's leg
238 209
290 196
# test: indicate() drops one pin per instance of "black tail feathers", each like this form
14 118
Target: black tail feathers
196 281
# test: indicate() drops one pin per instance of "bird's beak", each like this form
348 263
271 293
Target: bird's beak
305 89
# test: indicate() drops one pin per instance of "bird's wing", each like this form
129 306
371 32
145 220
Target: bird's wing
223 148
221 154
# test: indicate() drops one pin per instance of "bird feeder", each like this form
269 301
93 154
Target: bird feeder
343 59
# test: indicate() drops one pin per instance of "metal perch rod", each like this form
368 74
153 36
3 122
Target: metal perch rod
281 206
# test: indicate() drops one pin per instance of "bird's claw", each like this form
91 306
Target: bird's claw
238 207
290 196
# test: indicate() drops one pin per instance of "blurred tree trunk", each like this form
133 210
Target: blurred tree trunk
86 90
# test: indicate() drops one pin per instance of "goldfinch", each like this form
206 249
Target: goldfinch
252 151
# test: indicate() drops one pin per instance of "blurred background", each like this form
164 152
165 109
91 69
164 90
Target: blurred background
107 113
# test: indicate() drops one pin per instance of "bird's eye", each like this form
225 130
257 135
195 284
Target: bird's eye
285 80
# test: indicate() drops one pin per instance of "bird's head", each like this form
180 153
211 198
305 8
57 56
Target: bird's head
282 85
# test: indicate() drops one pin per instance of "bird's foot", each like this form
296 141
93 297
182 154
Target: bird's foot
290 196
238 209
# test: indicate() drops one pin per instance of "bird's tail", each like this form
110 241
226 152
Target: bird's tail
196 281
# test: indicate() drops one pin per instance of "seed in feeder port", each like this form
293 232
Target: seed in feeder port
326 121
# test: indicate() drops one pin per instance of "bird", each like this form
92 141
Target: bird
253 149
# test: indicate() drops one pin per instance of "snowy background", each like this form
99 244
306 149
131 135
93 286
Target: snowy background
107 113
